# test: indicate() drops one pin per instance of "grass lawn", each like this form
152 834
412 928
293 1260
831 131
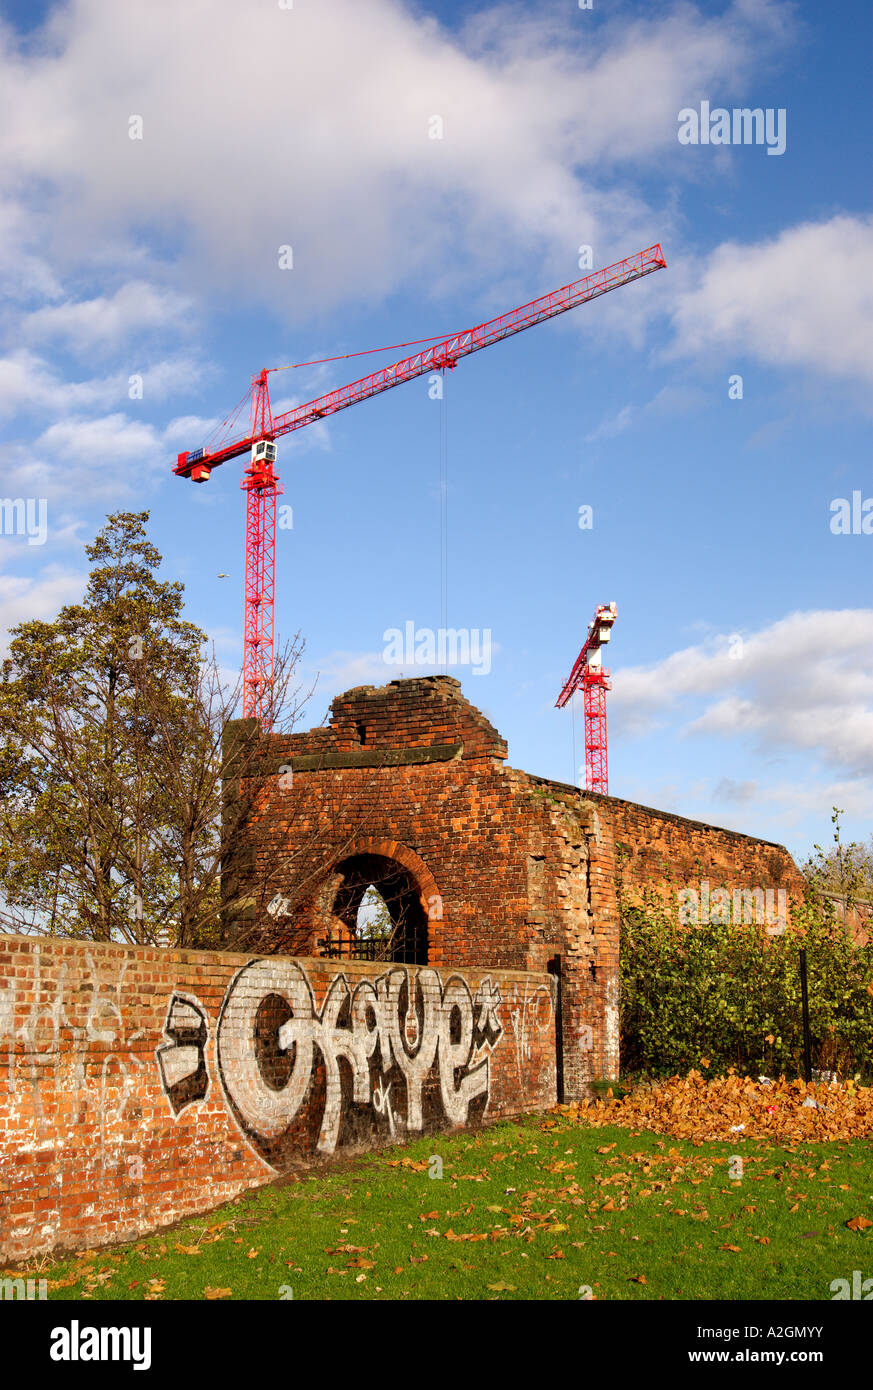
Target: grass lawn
543 1208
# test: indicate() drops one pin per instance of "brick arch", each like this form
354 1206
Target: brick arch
393 849
431 899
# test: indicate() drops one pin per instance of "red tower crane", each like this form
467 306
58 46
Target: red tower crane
589 675
261 480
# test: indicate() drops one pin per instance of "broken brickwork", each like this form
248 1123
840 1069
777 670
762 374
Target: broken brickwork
492 867
139 1085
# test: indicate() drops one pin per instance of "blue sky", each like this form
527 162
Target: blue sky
743 652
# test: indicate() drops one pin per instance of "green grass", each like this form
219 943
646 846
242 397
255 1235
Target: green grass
539 1191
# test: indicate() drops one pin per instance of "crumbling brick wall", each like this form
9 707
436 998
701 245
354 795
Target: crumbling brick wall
666 854
510 869
138 1086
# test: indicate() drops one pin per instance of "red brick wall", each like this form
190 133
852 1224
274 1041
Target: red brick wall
511 870
524 873
405 713
666 853
138 1086
657 847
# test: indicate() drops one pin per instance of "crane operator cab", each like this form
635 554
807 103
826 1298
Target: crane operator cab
263 458
264 451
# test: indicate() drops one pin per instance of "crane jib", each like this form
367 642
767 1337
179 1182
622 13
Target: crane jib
470 341
441 357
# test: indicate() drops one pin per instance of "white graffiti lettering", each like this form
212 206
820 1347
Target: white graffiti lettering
388 1034
529 1011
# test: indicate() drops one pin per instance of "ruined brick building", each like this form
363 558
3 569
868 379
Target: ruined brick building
491 990
479 864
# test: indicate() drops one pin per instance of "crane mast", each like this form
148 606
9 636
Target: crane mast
590 676
261 486
261 480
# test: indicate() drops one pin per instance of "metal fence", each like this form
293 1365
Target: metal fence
371 948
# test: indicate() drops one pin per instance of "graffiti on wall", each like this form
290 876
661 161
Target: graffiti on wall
397 1054
39 1062
530 1013
182 1060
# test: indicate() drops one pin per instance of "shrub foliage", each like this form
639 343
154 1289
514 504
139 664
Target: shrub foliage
732 995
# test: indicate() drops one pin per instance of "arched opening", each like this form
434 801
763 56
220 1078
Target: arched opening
376 913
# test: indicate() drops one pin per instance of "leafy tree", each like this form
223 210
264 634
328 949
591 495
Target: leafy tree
843 871
75 793
374 918
115 762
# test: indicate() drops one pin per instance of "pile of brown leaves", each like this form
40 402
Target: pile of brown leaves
736 1107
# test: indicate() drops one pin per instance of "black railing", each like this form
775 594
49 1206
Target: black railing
356 948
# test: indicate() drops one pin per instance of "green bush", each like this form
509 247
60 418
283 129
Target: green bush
731 994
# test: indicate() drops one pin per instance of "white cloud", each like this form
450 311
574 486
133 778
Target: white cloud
791 812
341 671
105 321
328 138
30 382
107 441
789 804
24 271
611 425
92 458
187 430
802 299
24 599
675 399
804 683
83 457
171 376
736 792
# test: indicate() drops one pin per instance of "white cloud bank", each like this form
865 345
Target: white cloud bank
24 599
802 299
107 320
804 683
310 127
